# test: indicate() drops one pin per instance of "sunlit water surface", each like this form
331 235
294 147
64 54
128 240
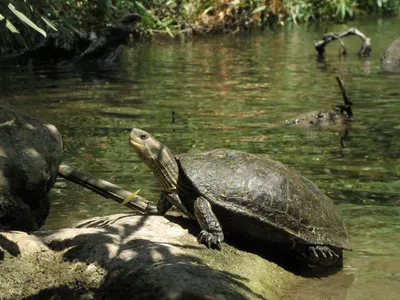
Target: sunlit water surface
233 92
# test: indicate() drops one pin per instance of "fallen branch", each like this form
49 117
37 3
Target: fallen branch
103 188
329 37
347 102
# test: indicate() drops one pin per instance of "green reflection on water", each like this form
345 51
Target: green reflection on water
234 92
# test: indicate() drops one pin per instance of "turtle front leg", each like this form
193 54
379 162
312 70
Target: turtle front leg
211 234
167 199
163 205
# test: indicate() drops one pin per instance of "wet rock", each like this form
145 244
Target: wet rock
390 62
151 257
30 153
80 49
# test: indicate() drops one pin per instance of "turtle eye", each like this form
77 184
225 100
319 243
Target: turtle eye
144 136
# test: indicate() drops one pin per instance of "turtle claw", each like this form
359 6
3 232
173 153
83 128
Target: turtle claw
209 239
314 252
323 255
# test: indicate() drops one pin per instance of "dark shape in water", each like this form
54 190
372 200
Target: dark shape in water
338 119
173 120
83 50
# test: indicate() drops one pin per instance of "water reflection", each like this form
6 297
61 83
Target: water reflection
234 92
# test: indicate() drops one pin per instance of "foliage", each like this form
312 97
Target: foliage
174 17
21 24
339 10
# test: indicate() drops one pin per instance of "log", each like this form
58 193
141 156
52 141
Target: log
104 188
331 36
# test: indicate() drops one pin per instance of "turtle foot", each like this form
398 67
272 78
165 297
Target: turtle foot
151 209
210 240
323 255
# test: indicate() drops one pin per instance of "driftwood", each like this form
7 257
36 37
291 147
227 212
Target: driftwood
340 111
329 37
346 107
104 188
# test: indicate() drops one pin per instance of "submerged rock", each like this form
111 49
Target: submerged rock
390 62
30 153
140 257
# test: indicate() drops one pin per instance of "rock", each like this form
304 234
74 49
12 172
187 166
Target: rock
30 153
30 269
144 257
80 49
390 62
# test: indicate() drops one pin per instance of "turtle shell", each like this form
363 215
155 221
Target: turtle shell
263 199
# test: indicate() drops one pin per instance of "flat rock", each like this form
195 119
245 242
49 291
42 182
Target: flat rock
138 257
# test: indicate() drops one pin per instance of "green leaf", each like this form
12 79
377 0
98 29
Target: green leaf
130 197
171 2
26 20
169 32
343 10
258 9
349 11
51 25
9 25
338 9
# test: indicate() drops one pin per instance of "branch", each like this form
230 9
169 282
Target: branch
347 102
329 37
103 188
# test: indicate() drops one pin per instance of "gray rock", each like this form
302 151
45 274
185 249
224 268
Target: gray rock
30 153
140 257
390 62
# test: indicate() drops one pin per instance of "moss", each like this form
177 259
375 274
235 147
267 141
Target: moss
44 276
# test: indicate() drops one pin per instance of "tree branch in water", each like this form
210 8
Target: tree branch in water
347 102
331 36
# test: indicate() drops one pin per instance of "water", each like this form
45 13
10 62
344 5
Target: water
233 92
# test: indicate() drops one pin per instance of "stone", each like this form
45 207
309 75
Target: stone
129 256
30 154
390 62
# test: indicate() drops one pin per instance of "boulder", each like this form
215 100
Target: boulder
128 256
390 62
30 153
80 49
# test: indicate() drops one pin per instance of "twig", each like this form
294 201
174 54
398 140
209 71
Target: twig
329 37
347 102
103 188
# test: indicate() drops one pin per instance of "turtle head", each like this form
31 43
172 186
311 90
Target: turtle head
156 156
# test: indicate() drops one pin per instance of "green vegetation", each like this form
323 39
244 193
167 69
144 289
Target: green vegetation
338 10
23 22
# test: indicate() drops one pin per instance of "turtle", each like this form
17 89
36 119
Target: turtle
246 195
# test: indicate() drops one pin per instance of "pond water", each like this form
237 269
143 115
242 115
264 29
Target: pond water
234 92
